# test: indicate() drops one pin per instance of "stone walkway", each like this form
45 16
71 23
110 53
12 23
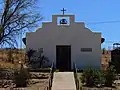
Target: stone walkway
63 81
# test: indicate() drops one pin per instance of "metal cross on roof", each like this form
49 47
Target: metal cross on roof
63 10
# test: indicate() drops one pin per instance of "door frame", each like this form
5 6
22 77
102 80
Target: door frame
69 49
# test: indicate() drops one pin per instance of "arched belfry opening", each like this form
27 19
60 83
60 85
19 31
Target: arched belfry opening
63 21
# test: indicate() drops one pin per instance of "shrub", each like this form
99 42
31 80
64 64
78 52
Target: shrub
30 53
21 77
99 78
109 76
92 77
88 77
36 59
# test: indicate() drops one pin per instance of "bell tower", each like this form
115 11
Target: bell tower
63 19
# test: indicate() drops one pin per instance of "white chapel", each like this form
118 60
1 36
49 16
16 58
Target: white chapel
66 41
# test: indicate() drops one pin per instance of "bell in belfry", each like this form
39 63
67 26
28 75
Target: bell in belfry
63 21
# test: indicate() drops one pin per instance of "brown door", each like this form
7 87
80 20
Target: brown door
63 57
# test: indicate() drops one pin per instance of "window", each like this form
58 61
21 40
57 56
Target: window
86 49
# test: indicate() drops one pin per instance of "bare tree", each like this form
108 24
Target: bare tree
17 16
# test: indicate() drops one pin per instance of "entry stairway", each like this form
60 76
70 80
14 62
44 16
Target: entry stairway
63 81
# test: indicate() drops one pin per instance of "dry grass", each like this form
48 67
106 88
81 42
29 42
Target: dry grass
19 55
16 55
106 58
8 65
6 62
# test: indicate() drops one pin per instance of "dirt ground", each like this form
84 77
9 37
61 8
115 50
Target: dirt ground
41 85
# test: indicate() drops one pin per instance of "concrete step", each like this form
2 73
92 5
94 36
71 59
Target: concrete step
63 81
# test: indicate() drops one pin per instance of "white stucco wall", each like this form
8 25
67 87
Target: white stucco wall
76 35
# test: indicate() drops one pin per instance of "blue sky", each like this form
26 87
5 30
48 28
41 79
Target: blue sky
88 11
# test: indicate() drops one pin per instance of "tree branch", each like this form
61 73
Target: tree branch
17 17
